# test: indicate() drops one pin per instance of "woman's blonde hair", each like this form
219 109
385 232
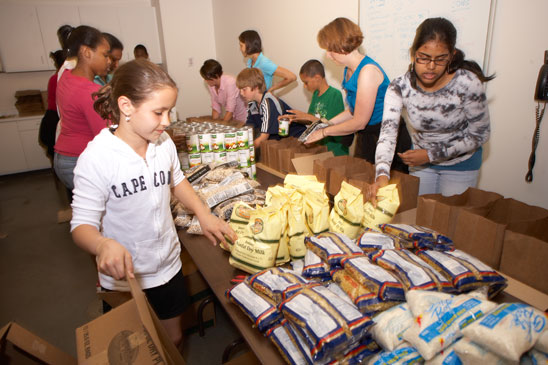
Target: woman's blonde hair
340 36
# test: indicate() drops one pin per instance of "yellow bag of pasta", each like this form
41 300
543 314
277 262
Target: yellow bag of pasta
347 213
278 197
388 202
316 210
258 249
238 221
296 228
296 181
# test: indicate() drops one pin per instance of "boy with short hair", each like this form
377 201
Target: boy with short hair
263 107
326 103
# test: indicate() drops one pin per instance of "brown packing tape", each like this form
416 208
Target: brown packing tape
524 258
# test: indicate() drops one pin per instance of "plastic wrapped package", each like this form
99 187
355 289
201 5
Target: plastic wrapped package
375 278
460 276
291 349
442 283
446 357
315 267
490 277
390 324
509 330
403 355
328 323
542 343
277 284
359 353
422 237
534 357
411 275
472 353
371 241
262 313
332 247
439 324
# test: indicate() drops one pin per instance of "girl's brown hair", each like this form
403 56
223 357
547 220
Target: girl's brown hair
340 36
136 80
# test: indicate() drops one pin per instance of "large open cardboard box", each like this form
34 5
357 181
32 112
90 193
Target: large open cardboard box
20 346
130 333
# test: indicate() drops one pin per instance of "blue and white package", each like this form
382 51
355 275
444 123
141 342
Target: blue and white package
332 247
403 355
509 330
284 338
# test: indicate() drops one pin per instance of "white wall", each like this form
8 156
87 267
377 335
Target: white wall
288 31
520 37
188 37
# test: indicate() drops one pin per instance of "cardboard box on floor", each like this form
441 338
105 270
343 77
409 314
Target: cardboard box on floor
480 231
360 173
197 289
440 212
20 346
130 333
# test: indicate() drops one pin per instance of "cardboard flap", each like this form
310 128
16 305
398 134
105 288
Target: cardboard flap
144 312
305 165
36 346
4 330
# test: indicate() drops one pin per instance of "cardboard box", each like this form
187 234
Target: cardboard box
20 346
130 333
29 102
285 155
480 231
304 163
524 256
440 212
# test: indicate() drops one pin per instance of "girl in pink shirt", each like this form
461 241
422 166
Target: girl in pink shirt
80 122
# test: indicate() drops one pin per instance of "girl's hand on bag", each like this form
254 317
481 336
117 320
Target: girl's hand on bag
414 157
216 229
371 193
113 259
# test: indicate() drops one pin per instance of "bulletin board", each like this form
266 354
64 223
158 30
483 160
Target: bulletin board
389 28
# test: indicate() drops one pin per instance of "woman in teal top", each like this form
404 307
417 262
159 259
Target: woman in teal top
365 83
251 48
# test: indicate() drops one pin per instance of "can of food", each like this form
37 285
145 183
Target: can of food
208 157
250 137
232 156
283 127
252 154
220 156
192 143
194 159
244 158
230 141
183 159
254 171
217 141
205 142
242 137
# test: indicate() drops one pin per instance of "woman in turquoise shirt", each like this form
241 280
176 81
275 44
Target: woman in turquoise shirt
365 83
251 48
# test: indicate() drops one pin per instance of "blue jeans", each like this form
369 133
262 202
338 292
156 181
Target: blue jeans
64 168
444 182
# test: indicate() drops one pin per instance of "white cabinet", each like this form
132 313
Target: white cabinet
21 46
19 148
28 32
51 17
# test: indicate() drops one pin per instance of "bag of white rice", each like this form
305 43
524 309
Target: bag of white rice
440 325
534 357
542 343
403 355
446 357
471 353
389 326
510 330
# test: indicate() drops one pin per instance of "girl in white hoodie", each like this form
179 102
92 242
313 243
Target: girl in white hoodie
123 183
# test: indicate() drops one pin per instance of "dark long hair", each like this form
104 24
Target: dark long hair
83 36
442 30
136 80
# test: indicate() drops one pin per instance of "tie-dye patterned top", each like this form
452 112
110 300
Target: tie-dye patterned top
450 123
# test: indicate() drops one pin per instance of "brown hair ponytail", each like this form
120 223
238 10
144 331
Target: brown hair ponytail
103 104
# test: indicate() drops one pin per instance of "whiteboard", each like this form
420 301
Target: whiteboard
389 28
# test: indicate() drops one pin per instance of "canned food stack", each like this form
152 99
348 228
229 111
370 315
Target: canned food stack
209 142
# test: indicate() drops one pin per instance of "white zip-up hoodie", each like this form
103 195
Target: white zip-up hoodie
127 198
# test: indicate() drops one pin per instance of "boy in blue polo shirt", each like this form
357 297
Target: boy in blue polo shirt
263 107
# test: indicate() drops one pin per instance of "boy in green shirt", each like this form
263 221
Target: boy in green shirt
326 103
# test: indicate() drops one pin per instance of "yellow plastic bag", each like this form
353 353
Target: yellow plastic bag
388 202
278 198
316 209
347 213
257 251
238 221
